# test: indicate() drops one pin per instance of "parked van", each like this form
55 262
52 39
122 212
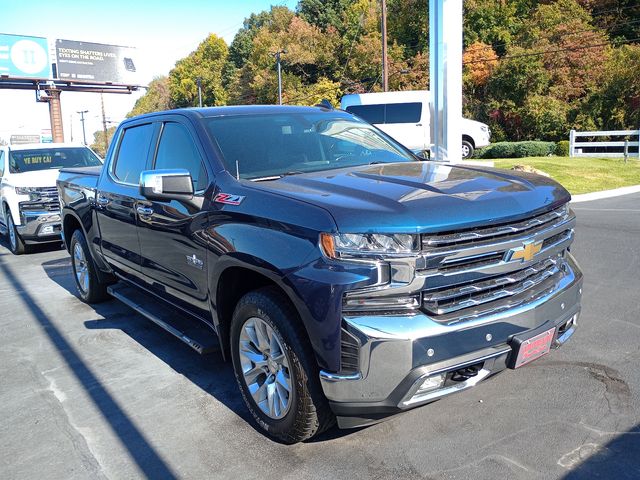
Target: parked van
405 116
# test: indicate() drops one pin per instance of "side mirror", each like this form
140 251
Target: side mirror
166 185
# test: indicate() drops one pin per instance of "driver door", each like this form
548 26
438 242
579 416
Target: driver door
174 254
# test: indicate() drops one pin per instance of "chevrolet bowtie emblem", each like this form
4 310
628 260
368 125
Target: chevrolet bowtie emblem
526 252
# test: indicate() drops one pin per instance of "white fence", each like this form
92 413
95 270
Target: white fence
577 148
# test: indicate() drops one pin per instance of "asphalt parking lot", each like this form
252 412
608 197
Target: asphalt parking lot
103 393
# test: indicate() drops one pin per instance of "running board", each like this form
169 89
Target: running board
200 337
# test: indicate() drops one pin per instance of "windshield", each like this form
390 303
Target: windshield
21 161
266 146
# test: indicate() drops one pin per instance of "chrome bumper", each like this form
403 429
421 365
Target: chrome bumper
398 352
39 225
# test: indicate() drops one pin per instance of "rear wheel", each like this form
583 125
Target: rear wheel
16 244
90 288
275 368
467 149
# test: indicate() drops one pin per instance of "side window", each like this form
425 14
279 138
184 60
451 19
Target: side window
371 113
132 153
1 163
403 113
177 150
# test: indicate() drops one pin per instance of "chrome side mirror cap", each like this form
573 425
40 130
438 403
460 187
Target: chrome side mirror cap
166 185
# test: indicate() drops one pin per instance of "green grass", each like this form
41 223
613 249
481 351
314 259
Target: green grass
582 174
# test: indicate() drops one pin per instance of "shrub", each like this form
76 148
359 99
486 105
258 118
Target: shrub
562 148
518 149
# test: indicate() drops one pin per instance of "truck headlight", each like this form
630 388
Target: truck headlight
33 192
350 245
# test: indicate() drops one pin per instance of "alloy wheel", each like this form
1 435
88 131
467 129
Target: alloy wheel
12 235
265 367
80 268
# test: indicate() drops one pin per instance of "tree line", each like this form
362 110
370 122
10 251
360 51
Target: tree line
532 69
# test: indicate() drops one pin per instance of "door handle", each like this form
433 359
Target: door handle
102 200
144 211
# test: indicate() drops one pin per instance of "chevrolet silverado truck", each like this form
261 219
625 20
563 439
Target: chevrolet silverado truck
344 278
30 210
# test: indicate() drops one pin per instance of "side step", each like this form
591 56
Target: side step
199 337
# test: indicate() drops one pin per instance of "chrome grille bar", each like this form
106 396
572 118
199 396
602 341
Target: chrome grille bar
493 232
453 299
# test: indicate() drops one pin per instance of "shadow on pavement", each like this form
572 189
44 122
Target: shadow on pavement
617 459
140 450
209 372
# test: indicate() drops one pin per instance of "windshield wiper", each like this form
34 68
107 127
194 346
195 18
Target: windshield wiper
276 177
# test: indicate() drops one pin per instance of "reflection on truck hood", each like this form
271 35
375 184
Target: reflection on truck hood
37 178
421 196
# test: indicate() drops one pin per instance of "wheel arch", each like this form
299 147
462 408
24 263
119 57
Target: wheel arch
231 281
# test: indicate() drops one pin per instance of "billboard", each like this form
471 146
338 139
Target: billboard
95 62
24 57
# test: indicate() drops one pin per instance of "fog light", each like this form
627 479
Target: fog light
47 230
430 383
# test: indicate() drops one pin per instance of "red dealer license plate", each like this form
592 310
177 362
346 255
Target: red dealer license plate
534 347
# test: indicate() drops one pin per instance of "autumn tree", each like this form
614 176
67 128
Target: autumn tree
206 63
156 98
98 144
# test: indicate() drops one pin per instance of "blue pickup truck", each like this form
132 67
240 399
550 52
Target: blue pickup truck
344 278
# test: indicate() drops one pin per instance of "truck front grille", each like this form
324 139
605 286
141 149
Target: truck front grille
471 272
47 201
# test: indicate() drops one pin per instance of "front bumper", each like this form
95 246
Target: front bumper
40 226
398 352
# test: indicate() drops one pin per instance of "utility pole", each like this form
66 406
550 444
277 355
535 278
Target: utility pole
84 137
385 69
277 55
104 125
199 83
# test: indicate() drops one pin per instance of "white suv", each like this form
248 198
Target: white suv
405 116
29 207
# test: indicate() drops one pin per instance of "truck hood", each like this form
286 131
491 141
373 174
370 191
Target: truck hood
417 197
38 178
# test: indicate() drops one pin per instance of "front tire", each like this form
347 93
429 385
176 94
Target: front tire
16 244
467 149
275 368
89 287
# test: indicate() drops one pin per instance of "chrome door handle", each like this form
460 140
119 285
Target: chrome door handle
102 200
144 211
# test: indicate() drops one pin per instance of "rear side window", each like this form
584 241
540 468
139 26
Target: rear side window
371 113
403 112
132 154
178 150
388 113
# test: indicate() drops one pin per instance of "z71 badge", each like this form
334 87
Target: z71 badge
228 199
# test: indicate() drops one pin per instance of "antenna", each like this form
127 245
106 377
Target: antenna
237 170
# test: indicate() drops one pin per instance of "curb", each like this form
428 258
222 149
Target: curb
587 197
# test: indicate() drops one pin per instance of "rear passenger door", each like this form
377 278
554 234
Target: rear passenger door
118 198
173 245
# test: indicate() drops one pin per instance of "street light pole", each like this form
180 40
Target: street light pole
277 55
199 83
84 137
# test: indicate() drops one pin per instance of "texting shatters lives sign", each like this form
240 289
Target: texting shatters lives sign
96 62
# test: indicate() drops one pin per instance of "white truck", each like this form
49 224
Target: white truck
29 206
405 116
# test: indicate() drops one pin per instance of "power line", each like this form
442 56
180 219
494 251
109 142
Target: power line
557 50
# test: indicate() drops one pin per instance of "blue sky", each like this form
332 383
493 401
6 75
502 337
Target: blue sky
162 31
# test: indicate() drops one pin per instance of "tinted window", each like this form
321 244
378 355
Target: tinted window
132 154
271 145
371 113
1 163
51 158
403 113
177 150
